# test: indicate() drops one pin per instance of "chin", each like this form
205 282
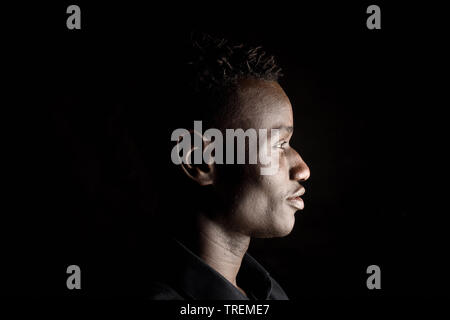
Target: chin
285 230
280 228
285 225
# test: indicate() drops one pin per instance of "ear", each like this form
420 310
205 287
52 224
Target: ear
203 173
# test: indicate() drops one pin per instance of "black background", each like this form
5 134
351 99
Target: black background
367 122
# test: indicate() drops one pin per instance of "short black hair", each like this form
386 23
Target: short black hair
212 68
215 63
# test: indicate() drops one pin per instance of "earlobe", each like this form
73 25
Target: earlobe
206 178
202 173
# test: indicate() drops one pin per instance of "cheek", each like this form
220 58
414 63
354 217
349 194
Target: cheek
270 189
275 189
253 199
263 211
257 202
266 194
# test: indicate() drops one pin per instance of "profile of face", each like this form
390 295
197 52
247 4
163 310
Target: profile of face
245 201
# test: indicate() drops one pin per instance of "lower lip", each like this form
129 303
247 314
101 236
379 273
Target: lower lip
296 202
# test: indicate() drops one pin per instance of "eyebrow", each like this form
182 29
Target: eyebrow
289 129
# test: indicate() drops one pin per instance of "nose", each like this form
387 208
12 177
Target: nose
299 170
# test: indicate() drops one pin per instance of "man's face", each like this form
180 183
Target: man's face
254 204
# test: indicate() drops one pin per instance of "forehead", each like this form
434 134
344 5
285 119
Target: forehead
261 104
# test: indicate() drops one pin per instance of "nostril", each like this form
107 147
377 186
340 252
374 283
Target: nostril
300 173
303 176
306 173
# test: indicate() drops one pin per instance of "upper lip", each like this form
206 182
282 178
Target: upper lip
299 192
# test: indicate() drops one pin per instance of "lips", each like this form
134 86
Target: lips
295 200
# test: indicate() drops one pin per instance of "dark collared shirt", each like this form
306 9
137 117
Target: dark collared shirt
187 277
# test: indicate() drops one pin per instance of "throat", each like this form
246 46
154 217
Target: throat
221 249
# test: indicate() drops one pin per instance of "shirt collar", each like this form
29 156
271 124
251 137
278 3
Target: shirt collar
199 281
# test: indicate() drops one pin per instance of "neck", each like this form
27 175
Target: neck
222 249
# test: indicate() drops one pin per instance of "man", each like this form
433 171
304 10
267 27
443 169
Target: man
231 87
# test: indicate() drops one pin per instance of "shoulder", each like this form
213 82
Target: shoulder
162 291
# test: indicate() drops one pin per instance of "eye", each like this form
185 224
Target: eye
282 145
